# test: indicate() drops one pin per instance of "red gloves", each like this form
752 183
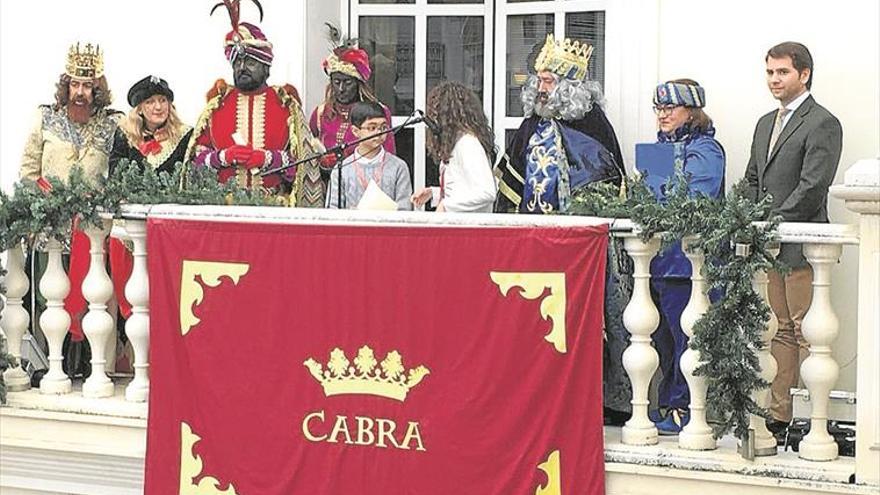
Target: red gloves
44 185
245 156
237 154
328 161
256 160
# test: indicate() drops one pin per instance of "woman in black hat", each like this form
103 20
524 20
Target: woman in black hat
152 133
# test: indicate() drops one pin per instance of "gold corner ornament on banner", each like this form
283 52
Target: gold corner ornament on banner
191 291
191 468
533 286
552 469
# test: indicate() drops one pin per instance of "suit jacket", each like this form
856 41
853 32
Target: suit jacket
799 169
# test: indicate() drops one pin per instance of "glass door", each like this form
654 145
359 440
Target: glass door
521 28
416 44
488 45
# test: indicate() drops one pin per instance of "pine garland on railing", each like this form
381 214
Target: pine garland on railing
31 215
728 335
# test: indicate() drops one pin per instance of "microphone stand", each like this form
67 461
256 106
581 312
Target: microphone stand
339 152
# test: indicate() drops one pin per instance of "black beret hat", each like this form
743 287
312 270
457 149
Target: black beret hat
147 87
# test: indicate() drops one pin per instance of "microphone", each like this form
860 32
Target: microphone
428 121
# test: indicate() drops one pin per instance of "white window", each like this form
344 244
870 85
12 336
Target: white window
415 44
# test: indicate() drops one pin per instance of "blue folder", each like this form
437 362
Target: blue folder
656 161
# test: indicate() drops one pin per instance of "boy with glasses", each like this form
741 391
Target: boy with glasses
370 163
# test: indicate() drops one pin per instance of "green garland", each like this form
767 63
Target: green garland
725 336
728 334
30 215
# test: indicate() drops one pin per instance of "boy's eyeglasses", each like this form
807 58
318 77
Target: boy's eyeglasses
374 129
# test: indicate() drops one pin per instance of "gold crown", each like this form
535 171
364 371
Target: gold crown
87 63
389 379
571 59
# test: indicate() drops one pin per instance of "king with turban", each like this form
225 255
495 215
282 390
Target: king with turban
251 128
348 68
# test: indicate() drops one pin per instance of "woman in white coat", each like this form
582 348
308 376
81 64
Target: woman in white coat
464 148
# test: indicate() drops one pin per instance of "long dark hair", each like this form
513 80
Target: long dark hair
456 110
101 96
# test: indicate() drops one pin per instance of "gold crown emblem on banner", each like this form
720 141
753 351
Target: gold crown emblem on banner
366 376
571 59
85 63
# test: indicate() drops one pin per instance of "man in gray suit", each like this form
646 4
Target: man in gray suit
795 152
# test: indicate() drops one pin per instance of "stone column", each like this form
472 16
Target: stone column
861 191
765 442
820 371
640 359
55 322
137 328
697 434
14 320
97 324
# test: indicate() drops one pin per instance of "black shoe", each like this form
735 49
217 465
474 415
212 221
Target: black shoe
615 418
776 427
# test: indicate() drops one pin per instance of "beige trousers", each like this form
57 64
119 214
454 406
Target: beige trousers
790 298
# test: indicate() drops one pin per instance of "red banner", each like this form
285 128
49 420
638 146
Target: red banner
310 359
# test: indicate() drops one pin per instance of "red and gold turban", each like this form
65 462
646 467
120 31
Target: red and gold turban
350 61
249 40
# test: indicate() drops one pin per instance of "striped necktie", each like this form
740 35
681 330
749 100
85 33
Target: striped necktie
777 128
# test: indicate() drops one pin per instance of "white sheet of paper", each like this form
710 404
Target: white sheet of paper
375 198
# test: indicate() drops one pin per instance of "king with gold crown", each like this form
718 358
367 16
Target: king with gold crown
78 128
565 141
76 131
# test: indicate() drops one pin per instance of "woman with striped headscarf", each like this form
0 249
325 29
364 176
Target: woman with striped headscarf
684 125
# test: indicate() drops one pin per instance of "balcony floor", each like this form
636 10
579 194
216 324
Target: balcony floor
39 433
665 468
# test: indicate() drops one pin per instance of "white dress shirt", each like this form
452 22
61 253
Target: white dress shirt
794 105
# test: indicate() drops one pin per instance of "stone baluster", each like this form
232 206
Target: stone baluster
861 191
640 317
697 434
819 371
15 318
97 324
765 442
137 328
55 322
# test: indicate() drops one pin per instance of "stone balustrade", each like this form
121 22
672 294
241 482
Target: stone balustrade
823 245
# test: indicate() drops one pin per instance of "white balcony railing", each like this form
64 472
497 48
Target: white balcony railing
823 244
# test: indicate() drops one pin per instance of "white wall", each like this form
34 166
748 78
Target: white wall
176 40
318 12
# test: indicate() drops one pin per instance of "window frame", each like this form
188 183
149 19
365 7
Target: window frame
421 10
501 123
494 13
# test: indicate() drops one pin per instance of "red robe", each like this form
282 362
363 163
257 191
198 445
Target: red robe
269 120
260 120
